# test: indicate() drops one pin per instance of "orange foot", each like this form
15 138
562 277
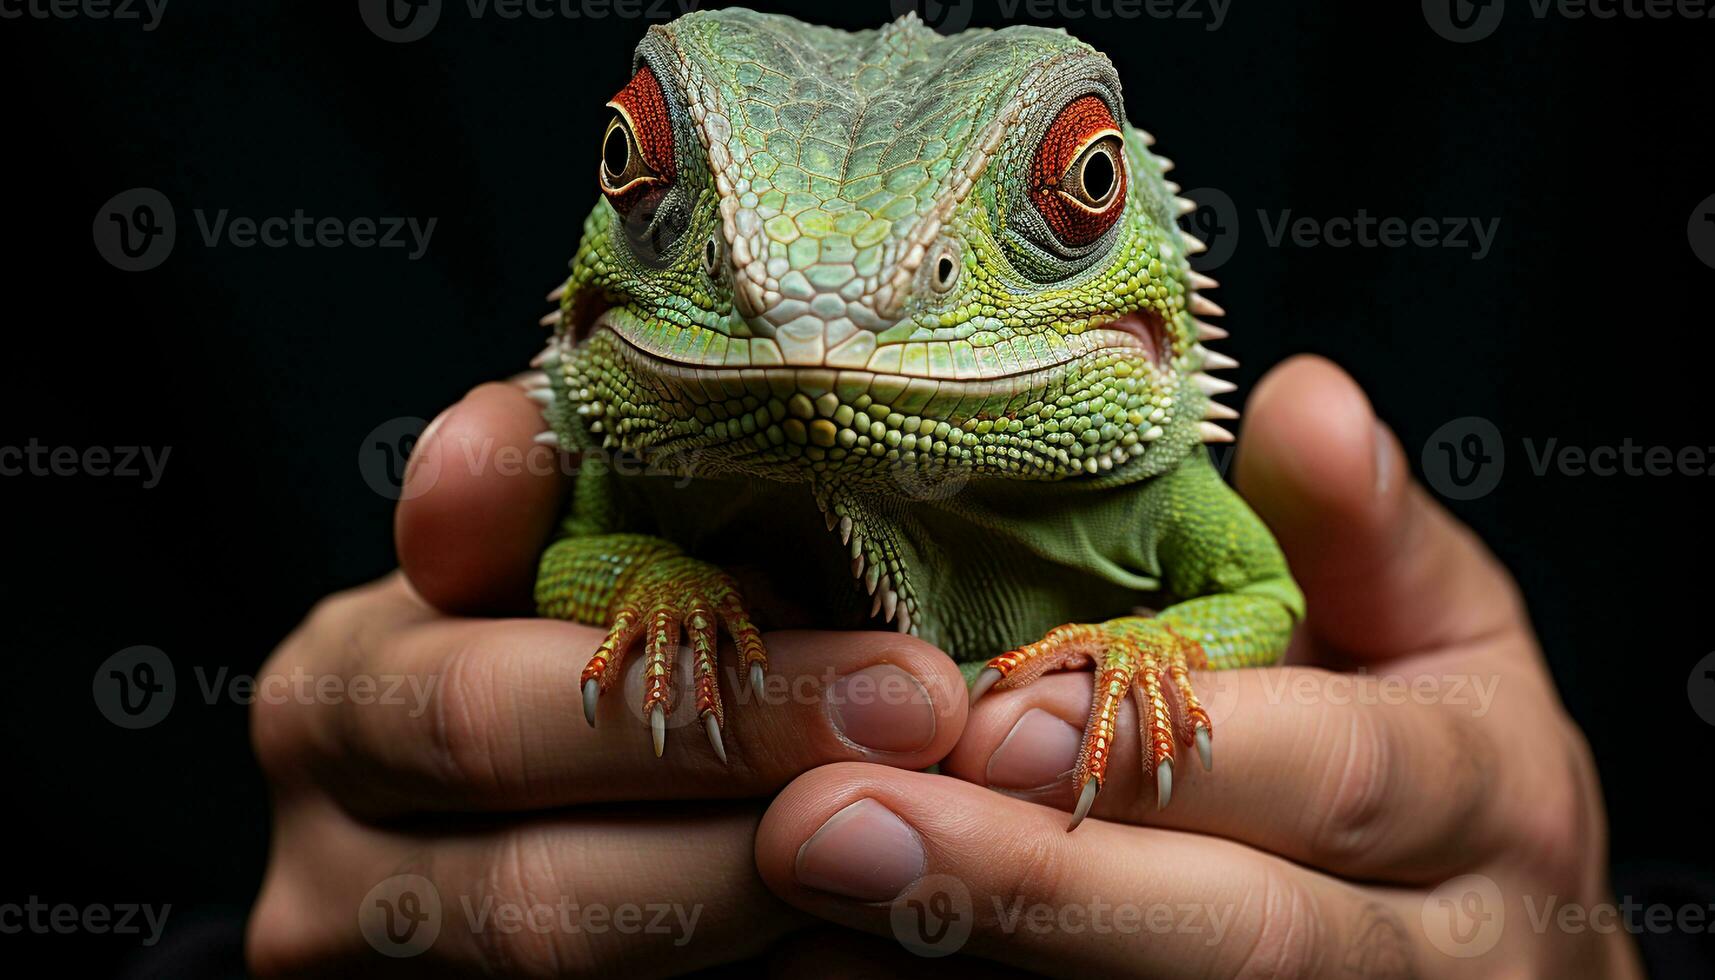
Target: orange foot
1143 656
664 597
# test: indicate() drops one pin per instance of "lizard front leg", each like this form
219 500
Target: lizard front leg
1213 548
642 587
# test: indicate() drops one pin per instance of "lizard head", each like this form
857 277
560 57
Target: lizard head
821 252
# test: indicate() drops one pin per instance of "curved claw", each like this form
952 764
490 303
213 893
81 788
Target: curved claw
988 678
591 691
1163 783
713 729
1086 799
658 728
755 679
1204 749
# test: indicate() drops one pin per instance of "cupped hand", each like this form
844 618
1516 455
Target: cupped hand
1406 797
440 802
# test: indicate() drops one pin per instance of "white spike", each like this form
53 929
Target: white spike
551 320
1204 306
543 396
1194 245
547 439
559 292
1214 360
1200 281
1148 139
1208 331
596 427
1185 205
1172 186
904 624
1213 433
845 530
1166 164
1216 410
890 603
875 606
1208 384
534 379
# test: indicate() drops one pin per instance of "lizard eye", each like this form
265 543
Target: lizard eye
1077 181
637 146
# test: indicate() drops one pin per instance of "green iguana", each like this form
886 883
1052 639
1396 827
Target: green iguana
911 319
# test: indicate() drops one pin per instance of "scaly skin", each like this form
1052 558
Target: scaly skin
927 294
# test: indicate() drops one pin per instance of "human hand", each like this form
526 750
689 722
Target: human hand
1346 829
478 787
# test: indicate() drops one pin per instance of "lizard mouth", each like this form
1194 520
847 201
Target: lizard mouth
1140 333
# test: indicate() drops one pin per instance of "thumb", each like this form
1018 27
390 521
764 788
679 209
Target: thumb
481 500
1386 571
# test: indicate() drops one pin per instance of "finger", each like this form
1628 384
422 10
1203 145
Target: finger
638 893
903 854
481 498
1367 777
1385 569
485 715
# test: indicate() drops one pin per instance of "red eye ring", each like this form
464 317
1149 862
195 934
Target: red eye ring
1078 180
637 145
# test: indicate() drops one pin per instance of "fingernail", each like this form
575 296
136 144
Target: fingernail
1384 459
882 708
420 474
1039 751
864 852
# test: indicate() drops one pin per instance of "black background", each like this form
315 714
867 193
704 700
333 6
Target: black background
265 370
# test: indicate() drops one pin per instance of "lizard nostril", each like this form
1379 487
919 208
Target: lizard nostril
712 258
945 271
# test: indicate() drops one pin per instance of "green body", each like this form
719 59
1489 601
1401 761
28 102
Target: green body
863 370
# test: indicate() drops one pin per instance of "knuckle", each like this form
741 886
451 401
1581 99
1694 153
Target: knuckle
1555 832
521 877
1349 816
466 738
1035 870
278 938
1289 936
